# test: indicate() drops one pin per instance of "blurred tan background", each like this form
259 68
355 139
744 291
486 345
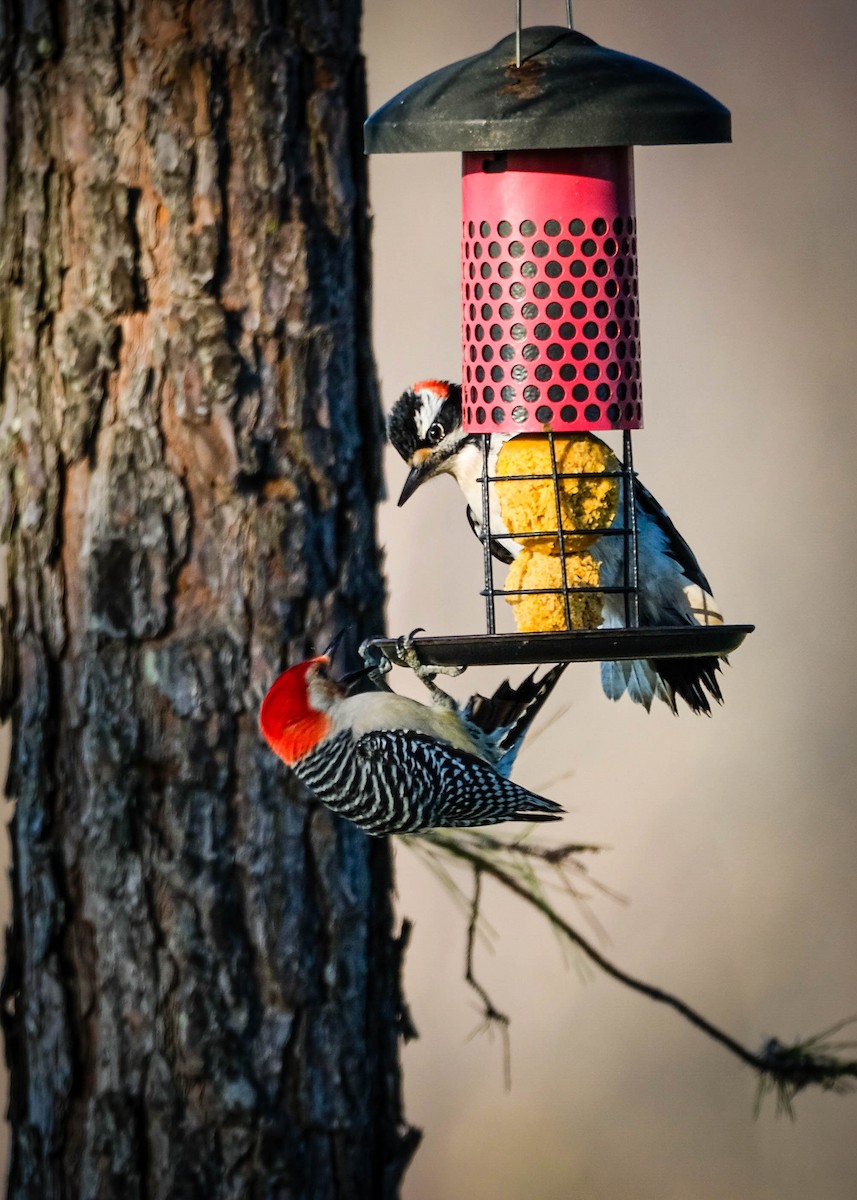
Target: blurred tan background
734 838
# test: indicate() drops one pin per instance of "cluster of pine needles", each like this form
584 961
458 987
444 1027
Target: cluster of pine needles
541 875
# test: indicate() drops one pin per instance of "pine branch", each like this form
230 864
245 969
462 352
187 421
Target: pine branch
494 1018
783 1069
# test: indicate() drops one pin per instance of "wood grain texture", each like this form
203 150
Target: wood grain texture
202 986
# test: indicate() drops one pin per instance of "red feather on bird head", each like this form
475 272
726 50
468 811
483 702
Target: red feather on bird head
439 386
289 723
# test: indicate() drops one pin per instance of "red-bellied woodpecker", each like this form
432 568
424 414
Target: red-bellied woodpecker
425 428
393 765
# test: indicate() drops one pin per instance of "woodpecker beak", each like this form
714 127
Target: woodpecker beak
351 678
354 677
422 468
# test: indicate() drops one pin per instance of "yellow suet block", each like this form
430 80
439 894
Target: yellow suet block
529 505
545 613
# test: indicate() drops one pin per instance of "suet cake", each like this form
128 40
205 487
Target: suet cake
529 505
545 612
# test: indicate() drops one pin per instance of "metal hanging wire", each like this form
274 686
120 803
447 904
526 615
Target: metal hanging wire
519 4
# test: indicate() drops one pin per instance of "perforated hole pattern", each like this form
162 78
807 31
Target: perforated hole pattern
551 331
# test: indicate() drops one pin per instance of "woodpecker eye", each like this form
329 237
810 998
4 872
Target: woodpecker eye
436 433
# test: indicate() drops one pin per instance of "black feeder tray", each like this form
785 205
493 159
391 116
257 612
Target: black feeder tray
585 645
546 121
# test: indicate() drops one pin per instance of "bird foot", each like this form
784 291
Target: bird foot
408 655
378 665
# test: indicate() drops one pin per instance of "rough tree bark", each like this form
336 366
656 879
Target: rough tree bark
201 997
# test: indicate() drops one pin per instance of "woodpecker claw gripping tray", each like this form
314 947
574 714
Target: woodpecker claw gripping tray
546 122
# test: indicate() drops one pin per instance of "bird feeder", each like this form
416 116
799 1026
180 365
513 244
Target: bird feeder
546 122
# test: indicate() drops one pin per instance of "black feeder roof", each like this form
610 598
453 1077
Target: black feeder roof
568 92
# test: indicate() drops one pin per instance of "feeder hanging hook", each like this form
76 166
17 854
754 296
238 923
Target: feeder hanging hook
519 4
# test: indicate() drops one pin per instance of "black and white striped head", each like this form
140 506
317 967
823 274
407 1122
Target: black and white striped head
424 427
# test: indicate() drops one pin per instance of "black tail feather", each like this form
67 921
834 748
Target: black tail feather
516 707
539 816
693 679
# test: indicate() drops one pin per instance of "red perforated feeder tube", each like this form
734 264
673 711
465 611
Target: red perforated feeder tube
551 330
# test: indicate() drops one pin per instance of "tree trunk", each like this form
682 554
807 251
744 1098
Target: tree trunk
202 988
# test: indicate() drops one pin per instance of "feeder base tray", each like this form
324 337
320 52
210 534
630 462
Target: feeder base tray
586 645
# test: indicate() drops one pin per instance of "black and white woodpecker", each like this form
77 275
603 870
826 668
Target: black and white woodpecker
393 765
425 427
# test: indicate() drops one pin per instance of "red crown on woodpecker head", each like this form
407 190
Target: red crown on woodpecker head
287 720
440 386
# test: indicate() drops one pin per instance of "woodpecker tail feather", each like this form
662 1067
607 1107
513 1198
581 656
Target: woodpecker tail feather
532 815
636 677
505 718
691 678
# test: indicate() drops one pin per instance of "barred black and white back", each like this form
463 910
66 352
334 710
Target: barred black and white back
399 781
